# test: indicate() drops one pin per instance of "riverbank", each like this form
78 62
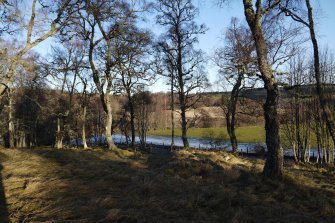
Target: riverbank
74 185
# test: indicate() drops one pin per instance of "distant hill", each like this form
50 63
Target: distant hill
285 92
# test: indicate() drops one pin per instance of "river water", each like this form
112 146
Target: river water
198 143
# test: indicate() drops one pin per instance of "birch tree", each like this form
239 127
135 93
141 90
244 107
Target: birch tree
236 63
131 57
36 21
298 10
181 36
99 23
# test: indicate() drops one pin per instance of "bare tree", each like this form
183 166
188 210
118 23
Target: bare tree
65 67
44 20
236 63
324 140
99 22
290 7
166 67
178 17
85 100
131 58
23 107
143 110
297 119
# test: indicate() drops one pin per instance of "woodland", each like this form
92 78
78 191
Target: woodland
101 78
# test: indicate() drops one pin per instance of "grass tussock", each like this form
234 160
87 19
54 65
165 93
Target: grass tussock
49 185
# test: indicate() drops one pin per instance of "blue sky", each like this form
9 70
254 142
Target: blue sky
217 20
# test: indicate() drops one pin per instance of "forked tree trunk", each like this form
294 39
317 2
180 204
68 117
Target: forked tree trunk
21 142
103 92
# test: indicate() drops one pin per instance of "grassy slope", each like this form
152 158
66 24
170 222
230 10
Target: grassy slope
45 185
244 134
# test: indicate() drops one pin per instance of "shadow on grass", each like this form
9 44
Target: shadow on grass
89 186
4 215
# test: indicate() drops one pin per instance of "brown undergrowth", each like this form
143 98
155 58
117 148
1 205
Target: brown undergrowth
49 185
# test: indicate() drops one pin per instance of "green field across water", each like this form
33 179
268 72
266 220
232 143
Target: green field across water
244 133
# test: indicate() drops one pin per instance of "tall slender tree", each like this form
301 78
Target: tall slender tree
166 67
181 36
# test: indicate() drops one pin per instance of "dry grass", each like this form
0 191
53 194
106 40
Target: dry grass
48 185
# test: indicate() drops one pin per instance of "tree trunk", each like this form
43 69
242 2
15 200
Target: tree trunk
308 152
84 127
318 134
231 132
274 161
59 135
184 127
231 113
172 115
104 95
295 152
183 114
181 83
132 120
109 122
297 126
21 140
11 128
